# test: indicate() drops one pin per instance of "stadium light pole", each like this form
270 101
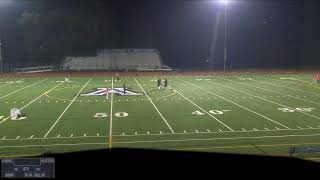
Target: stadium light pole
1 69
225 4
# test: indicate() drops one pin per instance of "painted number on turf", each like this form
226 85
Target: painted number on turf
296 109
121 114
100 115
214 112
103 115
198 113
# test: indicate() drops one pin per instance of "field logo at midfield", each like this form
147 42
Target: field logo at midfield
118 91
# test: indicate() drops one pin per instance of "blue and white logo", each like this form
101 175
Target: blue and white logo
117 91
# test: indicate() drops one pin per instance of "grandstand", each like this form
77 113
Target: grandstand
118 59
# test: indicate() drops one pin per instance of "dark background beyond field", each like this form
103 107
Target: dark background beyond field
261 34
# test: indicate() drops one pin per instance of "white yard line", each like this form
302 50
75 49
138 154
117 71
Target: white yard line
161 134
4 84
33 101
211 139
269 119
264 98
155 106
110 126
204 110
165 140
286 86
41 96
44 145
67 108
22 88
282 93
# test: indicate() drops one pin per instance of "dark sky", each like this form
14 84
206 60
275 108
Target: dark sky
260 33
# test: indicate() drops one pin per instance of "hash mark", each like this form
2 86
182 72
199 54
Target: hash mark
4 137
18 137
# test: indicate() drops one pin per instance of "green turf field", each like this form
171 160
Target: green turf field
250 114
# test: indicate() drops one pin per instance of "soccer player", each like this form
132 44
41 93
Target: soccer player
107 93
159 82
165 83
124 88
318 78
117 76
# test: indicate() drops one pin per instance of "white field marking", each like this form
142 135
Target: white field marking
208 130
237 103
196 131
161 134
255 129
155 106
185 131
266 129
220 130
299 127
41 96
310 127
135 133
43 145
31 136
296 97
98 134
58 135
84 134
210 139
111 114
148 132
4 84
243 129
23 88
264 98
17 137
66 108
71 135
203 110
286 86
123 134
4 137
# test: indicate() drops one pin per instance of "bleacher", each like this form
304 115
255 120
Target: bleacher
117 59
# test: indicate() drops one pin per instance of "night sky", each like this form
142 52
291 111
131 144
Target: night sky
260 34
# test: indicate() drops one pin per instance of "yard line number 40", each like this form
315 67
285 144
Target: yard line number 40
214 112
296 109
